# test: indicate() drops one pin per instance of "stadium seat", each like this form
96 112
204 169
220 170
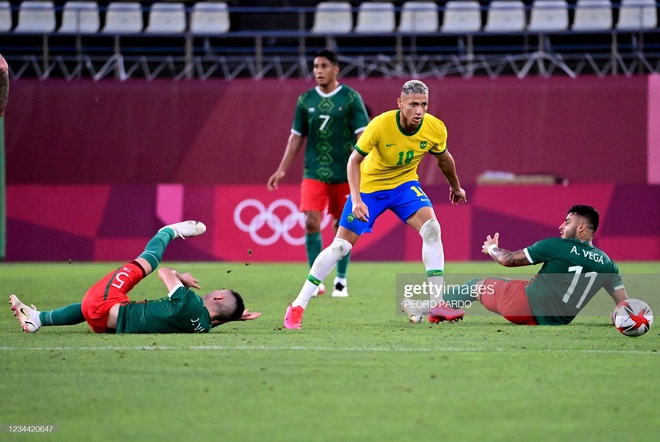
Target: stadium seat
419 17
166 18
461 16
548 16
592 15
123 18
5 17
375 18
637 14
209 18
333 18
80 18
505 16
36 17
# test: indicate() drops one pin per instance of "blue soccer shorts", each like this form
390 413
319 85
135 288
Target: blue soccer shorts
404 200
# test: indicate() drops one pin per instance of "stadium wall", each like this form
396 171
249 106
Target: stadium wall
586 130
94 168
249 224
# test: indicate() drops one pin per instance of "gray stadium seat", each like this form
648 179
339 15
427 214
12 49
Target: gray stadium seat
209 18
123 18
505 16
419 17
461 16
548 16
80 17
166 18
375 18
637 14
332 18
36 17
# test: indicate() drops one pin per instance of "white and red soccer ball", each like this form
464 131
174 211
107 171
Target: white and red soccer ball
632 317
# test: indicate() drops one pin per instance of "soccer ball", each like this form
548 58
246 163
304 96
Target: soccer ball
415 319
633 317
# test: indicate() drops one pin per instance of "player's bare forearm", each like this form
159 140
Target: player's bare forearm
619 295
172 278
360 210
448 167
504 257
293 146
4 85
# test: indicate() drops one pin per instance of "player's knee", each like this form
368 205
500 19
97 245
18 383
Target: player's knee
340 247
430 231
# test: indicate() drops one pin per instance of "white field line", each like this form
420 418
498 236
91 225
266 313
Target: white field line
331 349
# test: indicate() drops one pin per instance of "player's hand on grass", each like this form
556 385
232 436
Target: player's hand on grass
248 315
490 241
457 196
188 280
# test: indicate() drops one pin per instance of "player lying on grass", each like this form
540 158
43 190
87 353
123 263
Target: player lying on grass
573 272
382 175
107 308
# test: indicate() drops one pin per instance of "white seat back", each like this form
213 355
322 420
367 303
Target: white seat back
505 16
592 15
5 16
80 18
548 15
209 18
375 18
123 18
462 16
166 18
36 17
637 14
333 18
419 17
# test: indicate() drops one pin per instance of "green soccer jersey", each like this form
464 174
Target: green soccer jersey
573 271
330 122
182 311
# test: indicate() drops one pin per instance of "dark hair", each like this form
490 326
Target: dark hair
587 212
239 308
330 55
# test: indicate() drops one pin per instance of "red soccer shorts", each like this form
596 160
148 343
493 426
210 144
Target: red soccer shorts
508 298
112 289
315 195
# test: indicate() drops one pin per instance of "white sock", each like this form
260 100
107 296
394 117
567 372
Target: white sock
323 265
433 256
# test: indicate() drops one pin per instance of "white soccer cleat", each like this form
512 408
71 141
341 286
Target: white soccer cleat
340 291
319 290
28 317
415 314
187 229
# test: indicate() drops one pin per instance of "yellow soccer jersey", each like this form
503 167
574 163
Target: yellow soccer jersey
392 156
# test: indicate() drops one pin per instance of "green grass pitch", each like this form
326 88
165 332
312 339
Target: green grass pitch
356 372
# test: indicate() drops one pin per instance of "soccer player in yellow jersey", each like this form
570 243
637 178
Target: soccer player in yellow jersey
382 174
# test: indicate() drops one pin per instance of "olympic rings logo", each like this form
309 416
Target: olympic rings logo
266 220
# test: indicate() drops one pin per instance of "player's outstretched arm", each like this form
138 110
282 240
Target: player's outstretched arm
172 278
293 146
504 257
447 165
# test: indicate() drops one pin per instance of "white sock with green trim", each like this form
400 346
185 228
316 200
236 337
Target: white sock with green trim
323 265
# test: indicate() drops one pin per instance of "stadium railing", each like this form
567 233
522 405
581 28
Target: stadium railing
177 41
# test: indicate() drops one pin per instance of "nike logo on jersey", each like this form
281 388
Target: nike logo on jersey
390 144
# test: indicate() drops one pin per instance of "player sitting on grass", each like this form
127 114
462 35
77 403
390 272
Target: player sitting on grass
573 271
107 308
